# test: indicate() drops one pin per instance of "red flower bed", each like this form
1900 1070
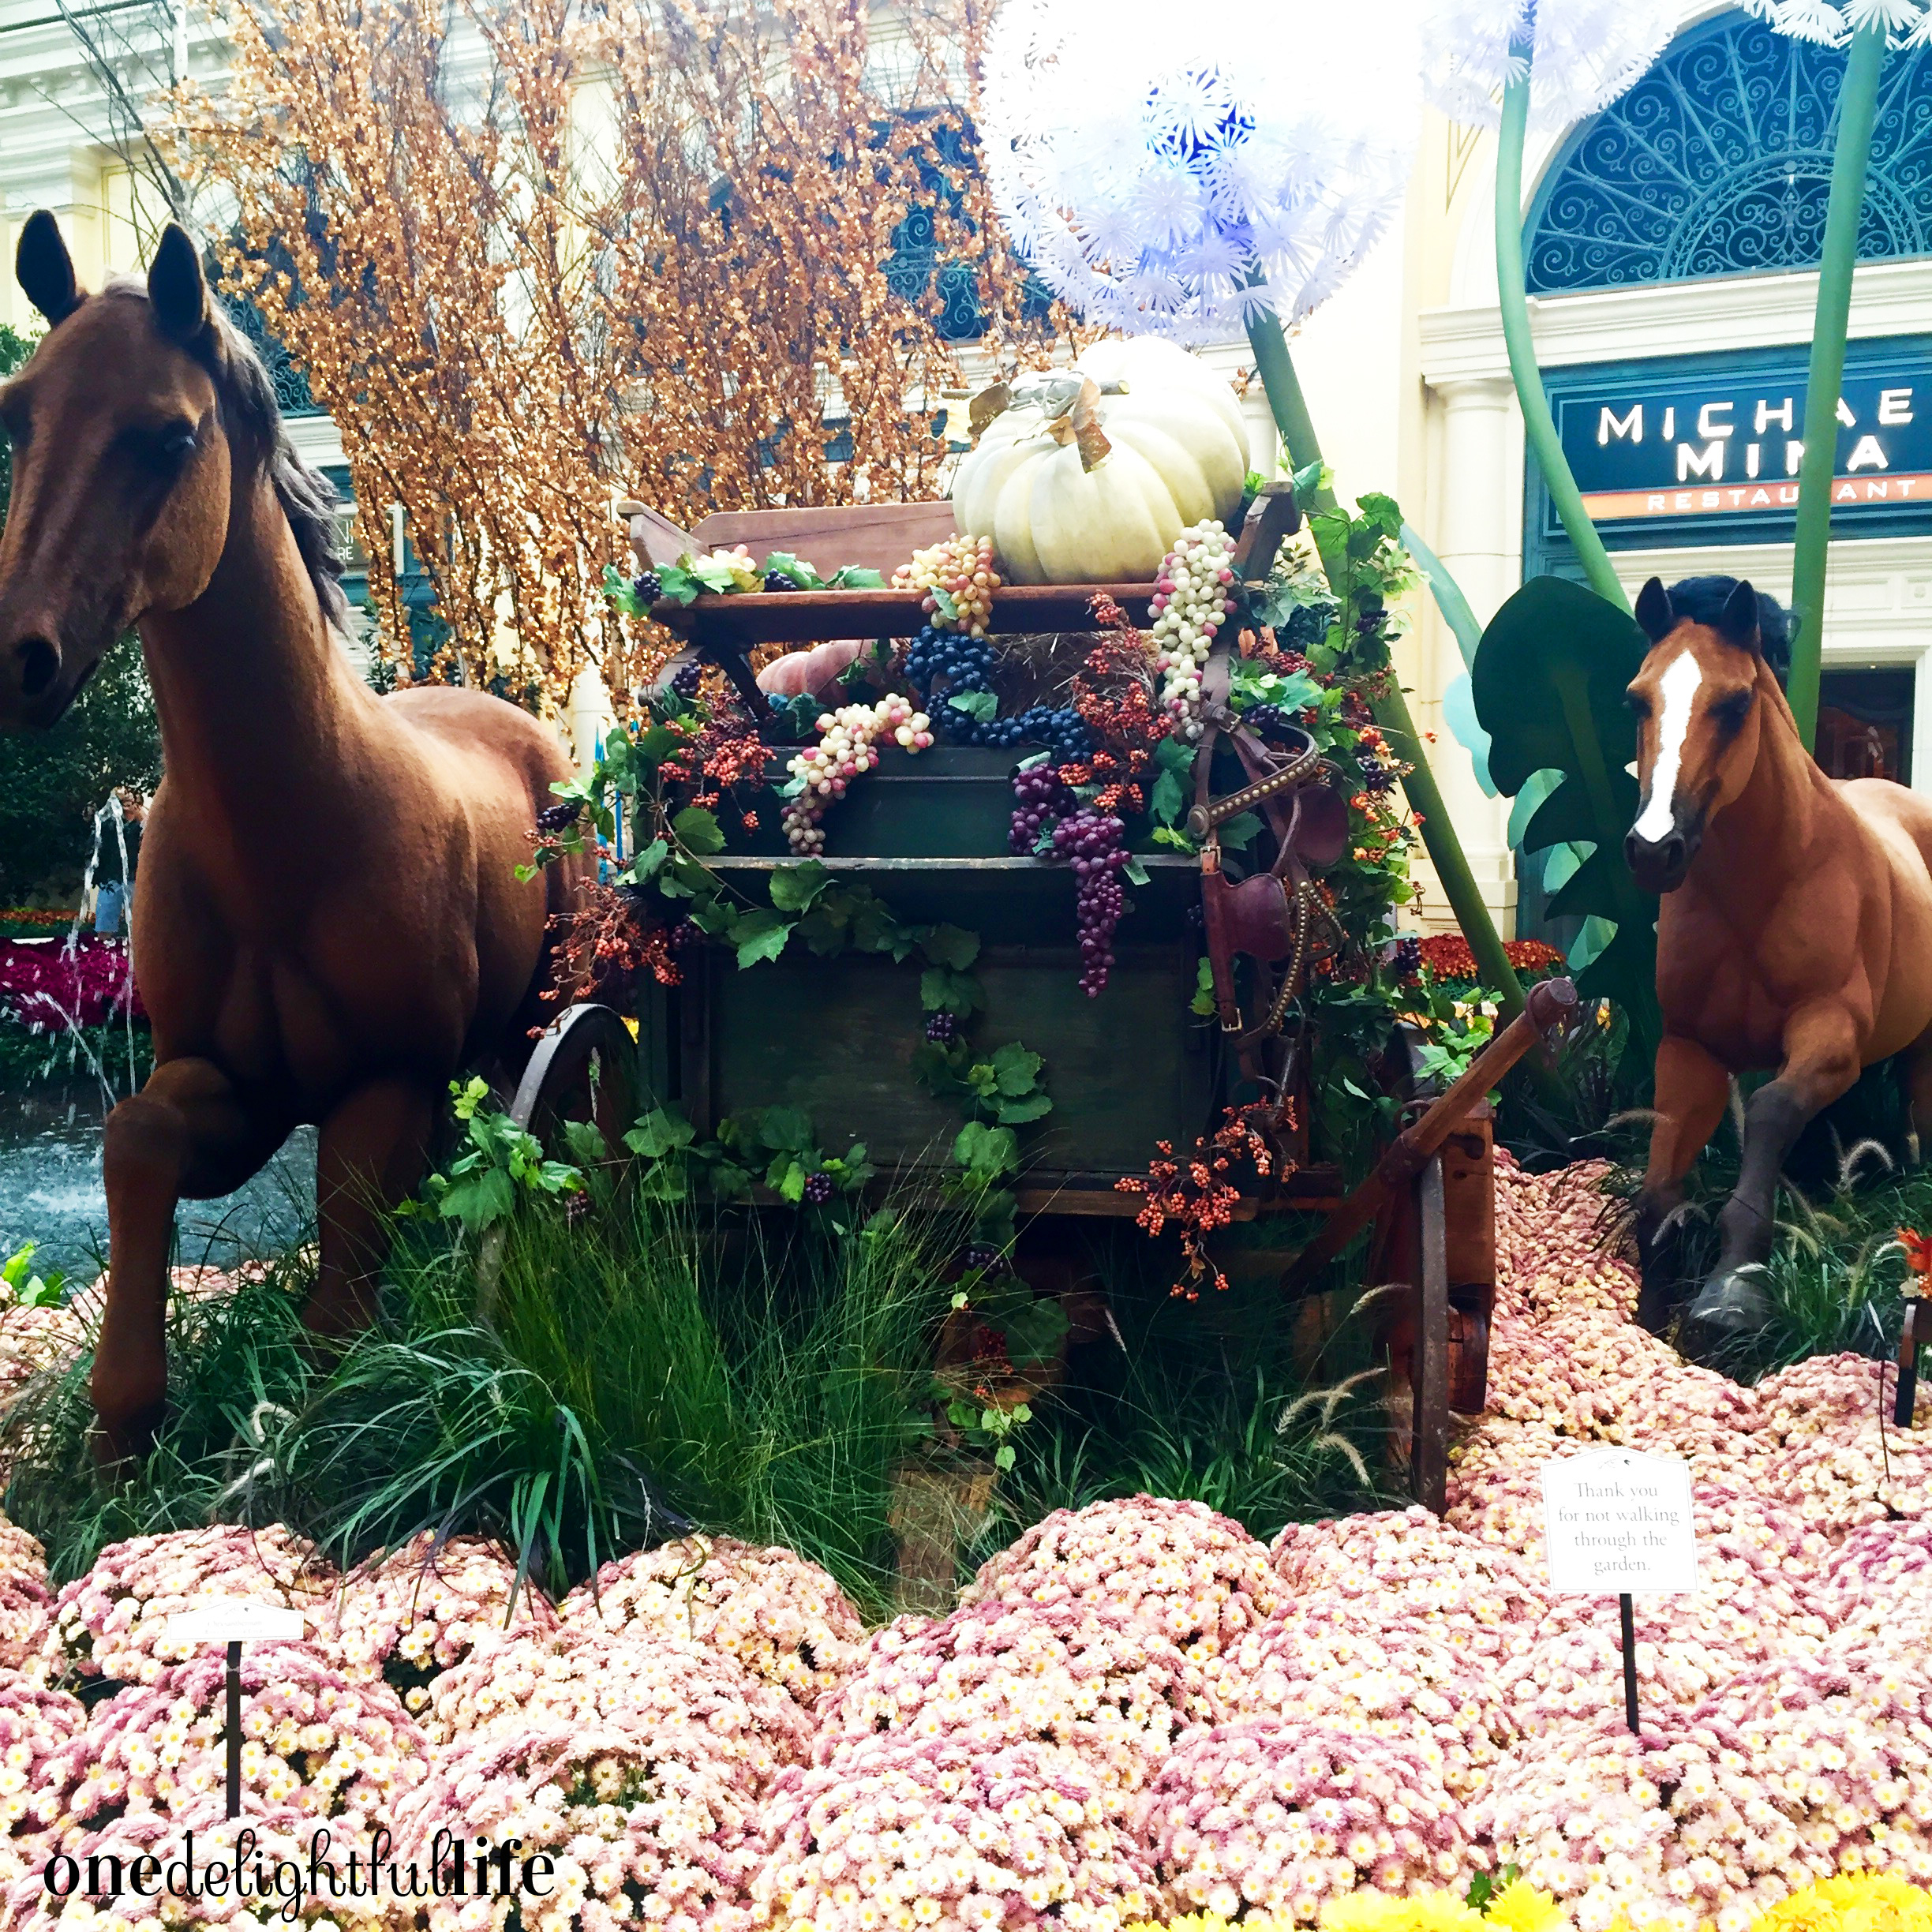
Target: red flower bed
1447 957
45 986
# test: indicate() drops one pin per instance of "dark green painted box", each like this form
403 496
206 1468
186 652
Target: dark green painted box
836 1037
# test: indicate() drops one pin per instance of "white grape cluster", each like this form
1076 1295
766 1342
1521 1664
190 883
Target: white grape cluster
962 567
849 744
1194 595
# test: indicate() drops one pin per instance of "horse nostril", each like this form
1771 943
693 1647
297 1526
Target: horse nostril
40 664
1632 849
1673 854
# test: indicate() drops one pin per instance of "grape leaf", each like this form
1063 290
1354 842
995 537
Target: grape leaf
951 945
794 887
1015 1070
758 935
1027 1107
981 704
697 831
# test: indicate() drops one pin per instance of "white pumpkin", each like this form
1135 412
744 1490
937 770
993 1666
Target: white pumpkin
1179 456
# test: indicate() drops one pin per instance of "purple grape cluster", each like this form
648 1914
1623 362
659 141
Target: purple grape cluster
1377 778
818 1189
1040 798
686 678
984 1258
1095 843
942 1029
1406 961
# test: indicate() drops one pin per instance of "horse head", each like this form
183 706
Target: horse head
1696 701
122 467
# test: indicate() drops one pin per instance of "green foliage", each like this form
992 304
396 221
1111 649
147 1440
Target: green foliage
1549 683
25 1288
498 1164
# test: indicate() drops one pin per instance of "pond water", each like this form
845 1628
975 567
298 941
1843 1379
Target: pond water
51 1190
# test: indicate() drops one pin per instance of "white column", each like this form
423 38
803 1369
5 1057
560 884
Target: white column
589 710
1478 535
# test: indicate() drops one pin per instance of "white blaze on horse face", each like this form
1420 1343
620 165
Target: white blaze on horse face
1679 685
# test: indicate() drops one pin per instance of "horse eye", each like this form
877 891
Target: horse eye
177 445
1730 712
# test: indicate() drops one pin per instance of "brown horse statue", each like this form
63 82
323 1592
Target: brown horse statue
1795 930
328 925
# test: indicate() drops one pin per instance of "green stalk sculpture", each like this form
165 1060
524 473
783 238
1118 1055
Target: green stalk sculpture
1276 369
1539 425
1858 105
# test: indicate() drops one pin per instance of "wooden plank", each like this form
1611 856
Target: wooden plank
654 539
878 536
737 622
1429 1465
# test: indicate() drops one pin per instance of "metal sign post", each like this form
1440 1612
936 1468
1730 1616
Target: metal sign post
231 1622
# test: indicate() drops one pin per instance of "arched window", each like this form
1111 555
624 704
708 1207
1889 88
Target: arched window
1718 163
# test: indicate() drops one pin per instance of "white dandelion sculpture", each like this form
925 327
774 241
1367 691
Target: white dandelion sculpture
1509 64
1195 170
1188 172
1580 53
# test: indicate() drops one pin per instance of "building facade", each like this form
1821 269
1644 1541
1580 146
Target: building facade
1670 242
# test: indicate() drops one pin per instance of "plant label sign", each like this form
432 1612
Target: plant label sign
1615 1520
237 1619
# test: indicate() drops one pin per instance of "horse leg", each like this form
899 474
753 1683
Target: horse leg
186 1132
1821 1062
1692 1091
370 1154
1918 1075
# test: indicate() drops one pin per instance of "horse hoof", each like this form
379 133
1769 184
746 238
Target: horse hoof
1731 1306
122 1439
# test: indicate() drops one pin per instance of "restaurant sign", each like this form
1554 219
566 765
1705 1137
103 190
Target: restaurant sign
1669 445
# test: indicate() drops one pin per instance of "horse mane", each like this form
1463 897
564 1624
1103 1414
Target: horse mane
308 499
1702 600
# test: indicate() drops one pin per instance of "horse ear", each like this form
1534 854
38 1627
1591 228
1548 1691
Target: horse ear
176 287
1654 611
44 269
1737 624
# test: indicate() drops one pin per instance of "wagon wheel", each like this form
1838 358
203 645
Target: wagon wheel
584 1069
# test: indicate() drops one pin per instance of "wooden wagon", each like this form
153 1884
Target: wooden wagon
836 1037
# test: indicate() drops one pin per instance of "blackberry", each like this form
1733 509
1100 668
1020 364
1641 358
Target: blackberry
686 679
648 587
942 1029
818 1189
984 1257
777 580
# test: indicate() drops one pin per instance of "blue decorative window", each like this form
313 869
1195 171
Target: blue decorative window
1718 163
